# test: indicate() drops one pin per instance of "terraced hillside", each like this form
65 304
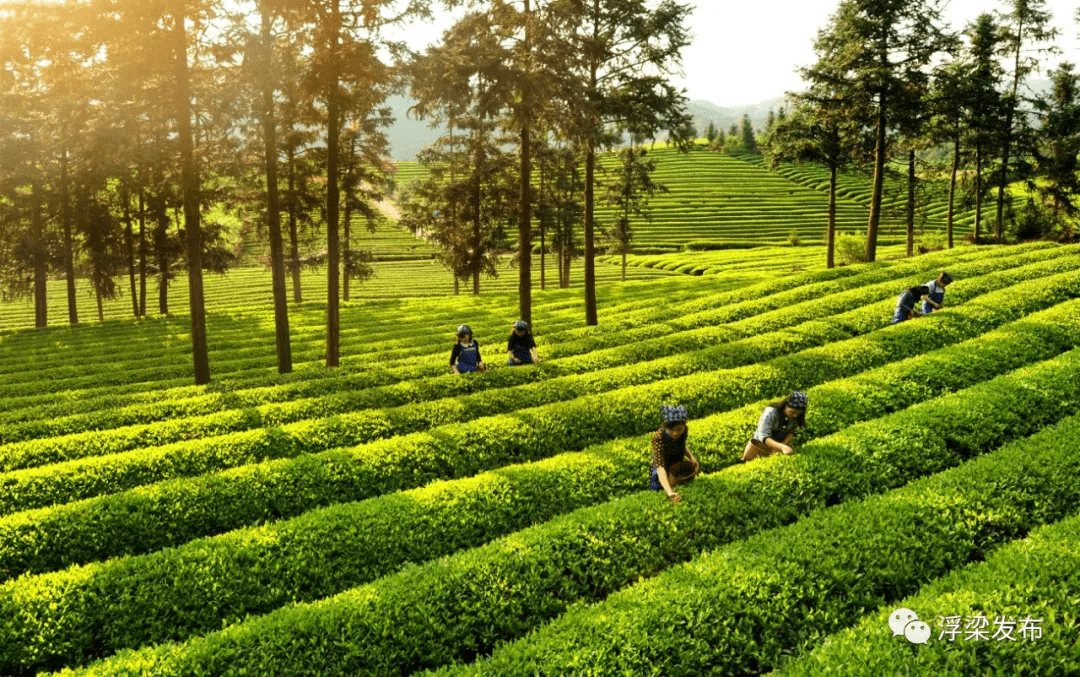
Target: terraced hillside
389 518
717 198
858 188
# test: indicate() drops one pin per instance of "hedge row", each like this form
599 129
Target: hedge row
746 606
928 262
527 434
177 593
725 300
459 607
434 392
1036 577
232 352
158 516
92 371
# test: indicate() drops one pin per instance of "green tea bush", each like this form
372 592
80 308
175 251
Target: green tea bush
850 248
1036 577
746 606
500 591
169 594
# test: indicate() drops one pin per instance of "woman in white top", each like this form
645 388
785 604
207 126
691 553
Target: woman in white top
776 427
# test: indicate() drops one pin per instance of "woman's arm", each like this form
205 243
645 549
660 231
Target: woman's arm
535 358
787 444
661 474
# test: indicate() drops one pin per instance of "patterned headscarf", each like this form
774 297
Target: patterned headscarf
798 400
673 413
463 330
521 325
946 278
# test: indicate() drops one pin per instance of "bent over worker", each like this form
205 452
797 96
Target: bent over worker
776 427
669 448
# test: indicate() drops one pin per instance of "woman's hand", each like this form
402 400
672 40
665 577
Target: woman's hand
786 450
675 498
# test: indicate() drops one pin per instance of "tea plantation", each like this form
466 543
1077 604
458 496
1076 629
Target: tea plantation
391 518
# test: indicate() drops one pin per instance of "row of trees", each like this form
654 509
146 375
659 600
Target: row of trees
529 95
891 82
122 122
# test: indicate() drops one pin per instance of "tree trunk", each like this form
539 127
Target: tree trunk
543 244
478 164
911 203
524 198
590 169
100 306
41 271
830 235
190 180
345 233
476 233
559 263
129 246
952 190
1007 141
624 266
69 249
879 182
294 244
273 209
142 255
333 254
161 234
978 189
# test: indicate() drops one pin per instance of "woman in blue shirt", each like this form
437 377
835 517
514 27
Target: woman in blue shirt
465 357
905 303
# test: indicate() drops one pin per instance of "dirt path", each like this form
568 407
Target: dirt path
387 206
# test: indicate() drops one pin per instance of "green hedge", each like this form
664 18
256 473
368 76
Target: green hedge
186 509
461 606
624 319
168 595
744 607
528 433
1036 577
440 411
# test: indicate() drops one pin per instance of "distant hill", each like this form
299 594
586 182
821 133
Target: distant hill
408 135
705 112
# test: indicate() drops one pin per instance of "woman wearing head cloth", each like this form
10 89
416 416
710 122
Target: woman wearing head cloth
777 427
465 357
905 303
932 301
521 346
668 450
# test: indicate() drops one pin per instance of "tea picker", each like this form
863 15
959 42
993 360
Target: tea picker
905 303
465 357
776 427
521 346
933 300
669 467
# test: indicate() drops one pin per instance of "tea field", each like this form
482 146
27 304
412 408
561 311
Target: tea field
716 199
391 518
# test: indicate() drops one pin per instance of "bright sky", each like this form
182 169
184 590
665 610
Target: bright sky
731 65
